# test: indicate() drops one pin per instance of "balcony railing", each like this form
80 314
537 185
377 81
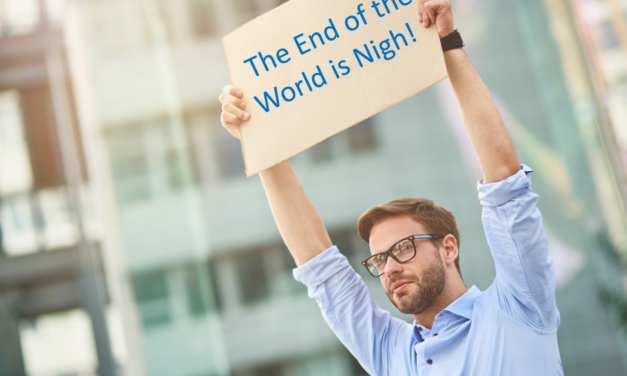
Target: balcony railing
44 220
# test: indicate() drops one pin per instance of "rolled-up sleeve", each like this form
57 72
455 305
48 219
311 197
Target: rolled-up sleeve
367 331
524 286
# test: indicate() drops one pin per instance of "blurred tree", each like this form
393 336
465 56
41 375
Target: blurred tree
612 297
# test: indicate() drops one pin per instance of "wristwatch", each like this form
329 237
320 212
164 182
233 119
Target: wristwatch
451 41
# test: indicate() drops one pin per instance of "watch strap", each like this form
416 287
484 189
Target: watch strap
452 41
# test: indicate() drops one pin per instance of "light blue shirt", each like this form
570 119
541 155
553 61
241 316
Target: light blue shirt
509 329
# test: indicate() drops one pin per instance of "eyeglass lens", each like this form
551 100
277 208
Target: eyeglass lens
403 251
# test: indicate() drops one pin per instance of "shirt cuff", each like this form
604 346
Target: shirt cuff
322 267
500 192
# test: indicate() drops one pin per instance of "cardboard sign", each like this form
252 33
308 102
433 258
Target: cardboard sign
312 68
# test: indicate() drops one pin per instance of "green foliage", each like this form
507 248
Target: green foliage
616 302
612 298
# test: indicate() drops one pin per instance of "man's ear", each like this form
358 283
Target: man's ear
449 244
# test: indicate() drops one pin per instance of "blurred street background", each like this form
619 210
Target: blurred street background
132 243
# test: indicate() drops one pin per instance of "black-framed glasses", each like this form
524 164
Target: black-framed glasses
403 251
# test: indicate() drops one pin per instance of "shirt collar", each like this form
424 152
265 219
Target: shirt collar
463 305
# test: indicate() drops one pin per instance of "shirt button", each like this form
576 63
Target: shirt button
429 361
419 329
435 335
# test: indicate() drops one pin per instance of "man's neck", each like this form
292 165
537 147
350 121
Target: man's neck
448 296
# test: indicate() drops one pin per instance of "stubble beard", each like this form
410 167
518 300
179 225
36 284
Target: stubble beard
429 287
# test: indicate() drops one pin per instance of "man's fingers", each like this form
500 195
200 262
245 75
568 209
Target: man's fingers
422 15
229 119
229 89
228 98
233 110
231 123
230 107
430 9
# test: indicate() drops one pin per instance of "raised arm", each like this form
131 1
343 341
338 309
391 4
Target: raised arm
524 286
299 223
367 331
491 142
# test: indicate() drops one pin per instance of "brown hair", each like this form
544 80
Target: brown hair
434 218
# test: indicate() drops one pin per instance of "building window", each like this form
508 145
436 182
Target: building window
18 217
174 159
213 267
276 369
362 137
358 139
344 242
202 15
18 16
129 160
288 260
350 245
288 265
146 161
15 167
152 296
252 278
197 304
176 177
271 370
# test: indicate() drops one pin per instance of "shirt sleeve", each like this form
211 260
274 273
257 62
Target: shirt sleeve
524 286
367 331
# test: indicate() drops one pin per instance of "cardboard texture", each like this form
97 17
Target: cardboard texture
325 101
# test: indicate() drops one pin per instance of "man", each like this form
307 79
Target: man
509 329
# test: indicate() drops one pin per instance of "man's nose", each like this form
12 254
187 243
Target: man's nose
392 266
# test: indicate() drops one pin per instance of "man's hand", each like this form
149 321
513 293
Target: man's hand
233 110
436 12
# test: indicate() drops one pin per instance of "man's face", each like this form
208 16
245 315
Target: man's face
412 286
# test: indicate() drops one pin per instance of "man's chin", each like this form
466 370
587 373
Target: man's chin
402 303
406 303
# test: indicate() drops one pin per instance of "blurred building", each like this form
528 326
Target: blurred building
51 265
198 279
602 28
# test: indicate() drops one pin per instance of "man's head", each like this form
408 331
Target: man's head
413 286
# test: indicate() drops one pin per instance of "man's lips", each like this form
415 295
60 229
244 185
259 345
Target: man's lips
399 286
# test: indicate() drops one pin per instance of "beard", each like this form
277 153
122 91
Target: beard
430 285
